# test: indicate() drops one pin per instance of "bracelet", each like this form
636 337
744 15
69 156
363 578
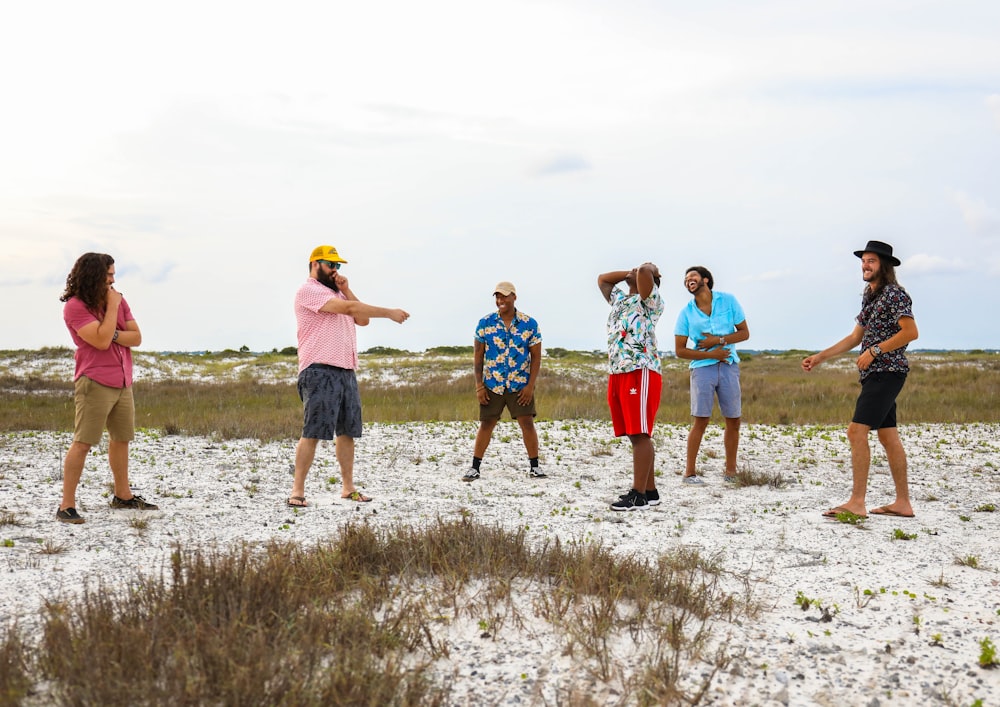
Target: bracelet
115 337
722 341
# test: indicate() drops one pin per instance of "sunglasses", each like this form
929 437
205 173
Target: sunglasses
332 266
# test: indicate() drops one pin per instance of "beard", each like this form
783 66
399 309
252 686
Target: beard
327 279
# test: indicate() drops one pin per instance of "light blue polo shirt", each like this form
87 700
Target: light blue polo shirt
693 323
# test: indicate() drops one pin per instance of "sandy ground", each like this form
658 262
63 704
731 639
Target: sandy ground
914 638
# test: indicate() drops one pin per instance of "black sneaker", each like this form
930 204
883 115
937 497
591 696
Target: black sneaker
631 501
136 503
69 515
471 475
535 472
652 497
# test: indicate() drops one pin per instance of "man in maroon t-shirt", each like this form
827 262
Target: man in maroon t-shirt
102 327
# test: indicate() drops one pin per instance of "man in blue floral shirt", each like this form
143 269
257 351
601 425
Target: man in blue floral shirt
507 359
884 328
634 383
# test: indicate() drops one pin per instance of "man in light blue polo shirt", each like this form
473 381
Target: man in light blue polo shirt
713 322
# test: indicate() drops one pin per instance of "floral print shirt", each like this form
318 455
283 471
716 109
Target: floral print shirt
880 318
632 331
507 358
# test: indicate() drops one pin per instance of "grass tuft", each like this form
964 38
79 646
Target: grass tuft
359 620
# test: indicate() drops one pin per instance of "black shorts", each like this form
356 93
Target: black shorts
331 402
876 406
493 409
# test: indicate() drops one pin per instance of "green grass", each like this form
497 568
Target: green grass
438 385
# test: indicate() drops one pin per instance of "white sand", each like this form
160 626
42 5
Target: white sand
214 493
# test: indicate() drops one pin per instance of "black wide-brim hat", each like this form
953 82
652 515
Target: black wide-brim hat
879 248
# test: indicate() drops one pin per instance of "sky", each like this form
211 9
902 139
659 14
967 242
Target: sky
445 145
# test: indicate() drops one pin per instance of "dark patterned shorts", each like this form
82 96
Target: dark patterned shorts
331 402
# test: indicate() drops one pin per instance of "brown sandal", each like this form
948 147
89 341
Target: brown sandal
301 502
356 496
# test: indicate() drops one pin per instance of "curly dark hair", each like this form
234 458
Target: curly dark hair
704 272
88 280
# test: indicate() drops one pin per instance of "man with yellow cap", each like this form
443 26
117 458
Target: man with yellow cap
326 312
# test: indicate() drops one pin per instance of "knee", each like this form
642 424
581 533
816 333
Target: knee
857 434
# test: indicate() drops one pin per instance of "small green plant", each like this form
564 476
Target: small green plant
968 561
849 518
936 641
985 508
899 534
987 653
7 542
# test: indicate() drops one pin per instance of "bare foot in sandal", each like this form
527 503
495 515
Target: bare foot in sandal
356 496
298 502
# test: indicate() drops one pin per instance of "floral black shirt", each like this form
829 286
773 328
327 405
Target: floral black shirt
880 318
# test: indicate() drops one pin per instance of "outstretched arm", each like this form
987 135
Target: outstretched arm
842 346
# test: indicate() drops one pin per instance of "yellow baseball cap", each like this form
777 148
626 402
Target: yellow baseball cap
326 252
504 288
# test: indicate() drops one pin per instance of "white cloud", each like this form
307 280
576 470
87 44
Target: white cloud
993 103
924 264
981 218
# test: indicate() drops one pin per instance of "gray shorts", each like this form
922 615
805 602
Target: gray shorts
331 402
720 380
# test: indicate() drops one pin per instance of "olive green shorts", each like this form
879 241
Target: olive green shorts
493 409
97 407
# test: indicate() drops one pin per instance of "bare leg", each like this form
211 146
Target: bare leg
76 456
305 452
694 443
483 437
527 423
861 456
889 437
345 457
118 460
643 459
731 442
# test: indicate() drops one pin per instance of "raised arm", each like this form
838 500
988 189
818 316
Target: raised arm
607 281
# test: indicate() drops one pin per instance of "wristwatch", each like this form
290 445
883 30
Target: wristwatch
876 351
115 337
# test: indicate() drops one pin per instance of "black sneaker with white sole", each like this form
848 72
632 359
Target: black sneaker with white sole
69 515
631 501
471 475
136 503
652 497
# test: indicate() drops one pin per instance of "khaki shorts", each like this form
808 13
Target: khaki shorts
98 406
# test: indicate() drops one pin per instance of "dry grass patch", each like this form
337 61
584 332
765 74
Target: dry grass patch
361 620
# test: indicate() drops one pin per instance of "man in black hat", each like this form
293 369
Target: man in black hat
884 328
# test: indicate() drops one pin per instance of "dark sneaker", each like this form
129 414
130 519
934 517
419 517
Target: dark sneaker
69 515
536 472
652 497
631 501
471 475
136 503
